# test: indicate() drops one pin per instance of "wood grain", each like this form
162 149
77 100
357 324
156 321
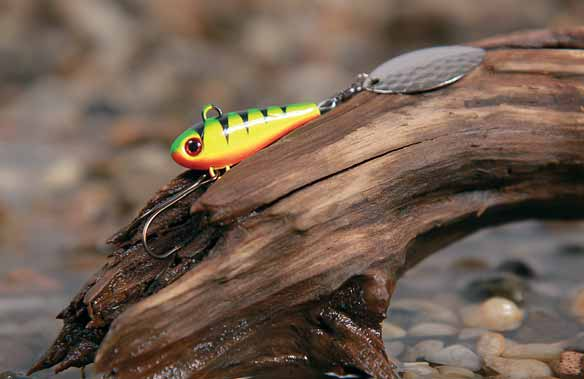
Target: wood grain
295 253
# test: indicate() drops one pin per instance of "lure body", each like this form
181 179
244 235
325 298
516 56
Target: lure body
220 142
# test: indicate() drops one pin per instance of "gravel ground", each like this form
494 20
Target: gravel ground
93 91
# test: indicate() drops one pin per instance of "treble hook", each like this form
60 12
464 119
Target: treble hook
204 179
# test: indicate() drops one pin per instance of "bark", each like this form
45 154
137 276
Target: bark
294 254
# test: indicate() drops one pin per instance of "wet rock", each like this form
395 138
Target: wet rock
422 349
391 331
456 355
497 314
539 351
570 364
517 267
432 329
577 305
491 345
427 310
501 285
518 368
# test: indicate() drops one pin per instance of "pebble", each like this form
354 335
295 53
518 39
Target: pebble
576 343
12 375
546 326
391 331
395 348
422 349
572 250
569 364
456 355
491 345
503 285
471 333
431 311
517 267
577 306
497 314
431 329
63 175
456 372
539 351
418 369
518 368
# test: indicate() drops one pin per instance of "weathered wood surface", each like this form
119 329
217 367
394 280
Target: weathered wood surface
294 254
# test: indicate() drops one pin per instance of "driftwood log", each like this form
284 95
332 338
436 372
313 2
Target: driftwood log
294 254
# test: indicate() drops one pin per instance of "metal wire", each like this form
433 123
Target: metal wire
356 87
204 179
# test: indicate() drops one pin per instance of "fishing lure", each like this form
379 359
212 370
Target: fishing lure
223 141
217 143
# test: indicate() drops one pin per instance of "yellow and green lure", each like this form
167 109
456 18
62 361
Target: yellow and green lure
220 142
223 141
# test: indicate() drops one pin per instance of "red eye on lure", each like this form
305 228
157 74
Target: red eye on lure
217 143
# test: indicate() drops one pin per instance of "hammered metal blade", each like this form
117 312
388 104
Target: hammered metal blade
424 70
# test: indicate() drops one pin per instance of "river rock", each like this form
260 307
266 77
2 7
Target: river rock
540 351
429 310
546 326
570 364
491 345
456 372
518 368
497 314
12 375
517 267
572 250
577 305
63 175
391 331
422 349
418 369
503 285
395 348
456 355
432 329
471 333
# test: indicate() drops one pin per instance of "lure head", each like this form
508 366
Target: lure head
187 149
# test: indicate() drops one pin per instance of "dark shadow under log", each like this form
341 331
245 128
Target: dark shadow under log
294 254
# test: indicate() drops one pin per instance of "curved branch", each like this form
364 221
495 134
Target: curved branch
298 249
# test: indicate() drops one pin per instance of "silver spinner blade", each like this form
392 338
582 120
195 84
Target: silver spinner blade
424 70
